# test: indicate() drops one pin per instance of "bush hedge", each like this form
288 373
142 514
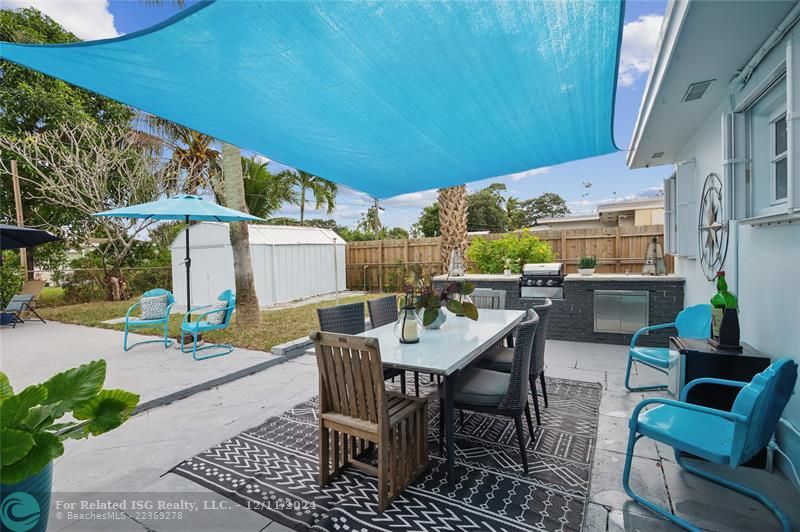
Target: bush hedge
489 256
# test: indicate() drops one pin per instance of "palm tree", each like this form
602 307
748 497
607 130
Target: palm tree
264 191
324 191
453 222
248 313
193 155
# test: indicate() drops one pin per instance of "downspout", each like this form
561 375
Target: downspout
791 117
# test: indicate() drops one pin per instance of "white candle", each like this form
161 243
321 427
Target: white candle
410 328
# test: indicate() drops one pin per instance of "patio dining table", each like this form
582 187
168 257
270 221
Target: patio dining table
446 351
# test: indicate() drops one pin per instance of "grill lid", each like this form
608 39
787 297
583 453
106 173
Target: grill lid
555 269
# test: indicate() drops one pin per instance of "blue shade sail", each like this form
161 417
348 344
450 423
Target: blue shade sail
383 97
182 207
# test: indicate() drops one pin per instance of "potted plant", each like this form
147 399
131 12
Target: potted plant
31 433
432 303
586 265
508 262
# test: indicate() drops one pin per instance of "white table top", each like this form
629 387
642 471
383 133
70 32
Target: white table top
451 348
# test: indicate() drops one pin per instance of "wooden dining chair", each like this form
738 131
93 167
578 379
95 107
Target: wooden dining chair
349 319
356 412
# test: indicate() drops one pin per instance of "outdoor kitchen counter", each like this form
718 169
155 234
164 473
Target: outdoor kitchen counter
514 277
572 318
621 277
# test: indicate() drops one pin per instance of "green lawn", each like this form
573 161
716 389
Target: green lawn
51 296
277 326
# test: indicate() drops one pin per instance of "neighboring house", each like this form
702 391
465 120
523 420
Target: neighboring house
623 213
721 106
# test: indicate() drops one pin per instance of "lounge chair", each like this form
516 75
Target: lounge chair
134 322
18 305
218 317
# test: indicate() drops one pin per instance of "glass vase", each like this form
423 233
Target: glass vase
409 327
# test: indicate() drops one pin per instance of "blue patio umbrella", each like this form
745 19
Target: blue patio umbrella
187 208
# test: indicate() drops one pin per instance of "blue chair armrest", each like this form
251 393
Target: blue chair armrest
128 314
641 331
216 310
633 423
192 310
710 380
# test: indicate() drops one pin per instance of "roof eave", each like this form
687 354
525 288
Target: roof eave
674 19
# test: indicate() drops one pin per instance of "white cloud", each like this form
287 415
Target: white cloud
527 173
639 39
412 199
87 19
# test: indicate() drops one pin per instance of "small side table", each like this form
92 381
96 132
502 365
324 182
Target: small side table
695 359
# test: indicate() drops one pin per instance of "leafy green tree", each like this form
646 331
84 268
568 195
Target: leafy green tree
314 222
395 233
489 256
31 103
371 222
547 205
194 161
428 223
516 214
486 209
264 191
322 191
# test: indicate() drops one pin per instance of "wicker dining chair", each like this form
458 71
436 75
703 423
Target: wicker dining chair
383 311
500 358
349 319
499 393
356 412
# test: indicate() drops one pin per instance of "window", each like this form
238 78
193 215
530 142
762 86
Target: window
768 152
779 163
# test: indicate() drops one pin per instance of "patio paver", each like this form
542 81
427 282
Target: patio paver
134 457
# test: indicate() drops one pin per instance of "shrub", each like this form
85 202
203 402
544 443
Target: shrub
142 280
11 276
489 256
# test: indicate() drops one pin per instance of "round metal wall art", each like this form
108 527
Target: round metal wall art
712 227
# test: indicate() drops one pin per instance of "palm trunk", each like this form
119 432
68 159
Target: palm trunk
453 222
302 204
248 313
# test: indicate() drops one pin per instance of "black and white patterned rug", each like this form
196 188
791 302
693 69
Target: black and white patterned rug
272 469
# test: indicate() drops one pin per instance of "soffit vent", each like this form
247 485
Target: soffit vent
697 90
657 155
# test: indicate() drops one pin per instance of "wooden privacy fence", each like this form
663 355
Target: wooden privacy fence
382 264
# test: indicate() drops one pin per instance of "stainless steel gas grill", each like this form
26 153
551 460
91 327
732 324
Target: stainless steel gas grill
542 280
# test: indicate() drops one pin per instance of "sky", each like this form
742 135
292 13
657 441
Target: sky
609 177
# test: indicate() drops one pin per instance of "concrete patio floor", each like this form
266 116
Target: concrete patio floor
136 457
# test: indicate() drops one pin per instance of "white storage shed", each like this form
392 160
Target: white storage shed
289 262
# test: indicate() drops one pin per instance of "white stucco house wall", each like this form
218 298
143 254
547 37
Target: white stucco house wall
723 98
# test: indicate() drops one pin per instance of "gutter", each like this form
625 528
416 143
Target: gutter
772 41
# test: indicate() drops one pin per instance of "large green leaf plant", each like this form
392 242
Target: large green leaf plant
31 426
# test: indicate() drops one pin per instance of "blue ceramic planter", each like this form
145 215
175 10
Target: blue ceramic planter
24 507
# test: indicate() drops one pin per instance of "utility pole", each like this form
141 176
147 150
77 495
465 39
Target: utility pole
23 253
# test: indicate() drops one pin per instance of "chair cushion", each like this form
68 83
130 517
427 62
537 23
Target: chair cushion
705 435
218 317
154 308
497 358
654 356
481 387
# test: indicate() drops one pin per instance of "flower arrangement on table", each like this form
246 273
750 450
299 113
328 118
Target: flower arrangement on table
453 297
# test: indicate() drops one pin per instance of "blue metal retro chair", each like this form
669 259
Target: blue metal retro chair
132 322
691 322
727 438
201 325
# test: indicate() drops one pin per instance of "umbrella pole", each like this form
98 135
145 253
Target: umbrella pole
188 263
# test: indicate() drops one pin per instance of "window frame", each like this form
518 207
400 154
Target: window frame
774 158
